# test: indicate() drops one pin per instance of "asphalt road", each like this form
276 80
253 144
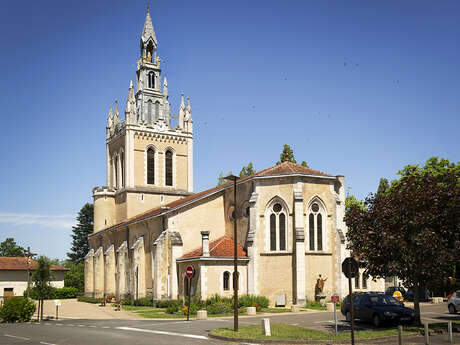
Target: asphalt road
134 332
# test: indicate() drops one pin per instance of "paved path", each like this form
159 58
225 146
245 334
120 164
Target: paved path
72 309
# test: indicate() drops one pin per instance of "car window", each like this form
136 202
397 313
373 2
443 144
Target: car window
383 299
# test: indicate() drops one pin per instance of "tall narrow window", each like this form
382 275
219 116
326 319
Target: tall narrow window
319 231
311 221
169 168
277 228
282 220
122 161
149 112
151 78
357 281
116 172
272 231
157 110
226 281
150 166
315 226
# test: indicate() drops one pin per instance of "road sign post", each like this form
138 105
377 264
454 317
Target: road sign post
335 299
189 272
351 269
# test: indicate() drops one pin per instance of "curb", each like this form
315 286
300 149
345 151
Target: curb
312 342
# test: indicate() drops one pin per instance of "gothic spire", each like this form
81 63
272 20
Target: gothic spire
165 87
148 30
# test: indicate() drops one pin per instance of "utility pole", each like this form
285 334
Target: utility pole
235 255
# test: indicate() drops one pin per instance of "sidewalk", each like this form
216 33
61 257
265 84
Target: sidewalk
72 309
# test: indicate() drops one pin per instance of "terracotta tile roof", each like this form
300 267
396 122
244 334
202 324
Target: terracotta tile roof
10 263
220 248
285 168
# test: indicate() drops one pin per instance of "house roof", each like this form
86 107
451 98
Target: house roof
14 263
283 169
220 248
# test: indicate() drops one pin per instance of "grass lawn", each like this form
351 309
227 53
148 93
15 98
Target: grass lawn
276 310
318 306
160 313
282 331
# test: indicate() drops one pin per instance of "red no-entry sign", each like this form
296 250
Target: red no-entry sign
190 271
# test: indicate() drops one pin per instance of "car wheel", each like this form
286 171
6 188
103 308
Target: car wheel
452 309
348 316
376 320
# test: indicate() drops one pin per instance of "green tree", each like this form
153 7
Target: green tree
221 180
412 231
41 278
304 164
10 248
247 170
76 276
384 185
286 155
80 246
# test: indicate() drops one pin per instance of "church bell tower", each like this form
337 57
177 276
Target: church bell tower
149 160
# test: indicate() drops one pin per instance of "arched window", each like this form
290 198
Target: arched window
122 161
150 166
311 231
116 172
226 281
157 110
169 168
149 112
277 227
151 78
316 219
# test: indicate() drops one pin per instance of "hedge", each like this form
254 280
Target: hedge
89 299
54 293
17 309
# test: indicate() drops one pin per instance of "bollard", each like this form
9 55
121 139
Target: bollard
449 332
400 329
251 311
266 327
427 334
201 315
295 308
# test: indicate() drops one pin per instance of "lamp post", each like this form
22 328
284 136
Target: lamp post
235 256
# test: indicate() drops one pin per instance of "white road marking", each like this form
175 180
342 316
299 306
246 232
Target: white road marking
106 327
81 325
15 336
47 324
70 325
59 324
92 326
44 343
164 323
162 332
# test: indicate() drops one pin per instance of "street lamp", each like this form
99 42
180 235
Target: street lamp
235 256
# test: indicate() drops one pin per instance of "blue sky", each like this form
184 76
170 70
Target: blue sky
356 88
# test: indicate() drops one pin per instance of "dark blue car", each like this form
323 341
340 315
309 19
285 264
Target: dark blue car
377 308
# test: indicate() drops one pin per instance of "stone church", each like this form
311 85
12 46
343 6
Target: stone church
149 225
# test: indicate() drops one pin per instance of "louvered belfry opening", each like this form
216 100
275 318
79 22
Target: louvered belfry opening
150 166
169 168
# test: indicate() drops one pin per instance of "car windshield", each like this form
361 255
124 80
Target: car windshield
383 300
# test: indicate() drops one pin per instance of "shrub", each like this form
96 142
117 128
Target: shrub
144 301
89 299
165 303
125 301
217 298
65 292
253 301
219 308
17 309
172 309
